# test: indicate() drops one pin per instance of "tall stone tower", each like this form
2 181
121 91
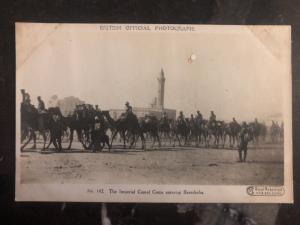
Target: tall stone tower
161 89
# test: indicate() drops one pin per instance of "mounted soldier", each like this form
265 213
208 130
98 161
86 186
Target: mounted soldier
41 105
128 108
212 119
97 108
181 118
199 116
26 101
42 117
164 122
128 111
164 117
234 121
23 96
192 119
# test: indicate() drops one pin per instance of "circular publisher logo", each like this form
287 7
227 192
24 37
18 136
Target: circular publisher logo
265 190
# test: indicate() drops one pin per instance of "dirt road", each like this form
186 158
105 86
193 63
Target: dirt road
186 165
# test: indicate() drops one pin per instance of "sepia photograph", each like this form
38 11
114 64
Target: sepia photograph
153 113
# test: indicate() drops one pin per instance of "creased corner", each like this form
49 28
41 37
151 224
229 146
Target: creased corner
273 38
29 38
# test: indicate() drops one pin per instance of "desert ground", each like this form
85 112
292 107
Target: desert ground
167 165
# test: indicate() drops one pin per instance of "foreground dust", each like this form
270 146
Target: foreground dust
185 165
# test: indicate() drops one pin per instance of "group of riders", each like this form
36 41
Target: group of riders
91 125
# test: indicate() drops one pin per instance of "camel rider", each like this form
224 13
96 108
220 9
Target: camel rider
23 96
26 102
212 118
192 120
199 116
244 139
97 108
84 111
181 118
128 108
164 118
234 121
41 105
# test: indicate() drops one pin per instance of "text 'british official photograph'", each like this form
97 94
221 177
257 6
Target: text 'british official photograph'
153 113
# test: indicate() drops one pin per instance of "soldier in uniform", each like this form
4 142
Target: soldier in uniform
164 116
255 121
212 116
26 105
199 116
41 105
212 119
234 121
192 119
97 108
23 96
244 139
98 135
164 123
181 118
128 110
56 130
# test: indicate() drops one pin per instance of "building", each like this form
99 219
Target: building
156 107
66 105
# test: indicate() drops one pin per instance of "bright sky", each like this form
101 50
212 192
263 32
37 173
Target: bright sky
238 71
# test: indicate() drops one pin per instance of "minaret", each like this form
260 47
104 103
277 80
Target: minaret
161 90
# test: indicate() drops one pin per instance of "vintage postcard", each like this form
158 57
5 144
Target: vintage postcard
153 113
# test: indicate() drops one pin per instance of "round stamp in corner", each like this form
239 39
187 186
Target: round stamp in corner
254 190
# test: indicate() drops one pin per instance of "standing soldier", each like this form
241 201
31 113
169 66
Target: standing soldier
56 131
98 135
244 139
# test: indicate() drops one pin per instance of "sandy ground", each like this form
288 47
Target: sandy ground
179 165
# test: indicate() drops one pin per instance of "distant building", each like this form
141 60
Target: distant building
53 101
156 107
66 105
